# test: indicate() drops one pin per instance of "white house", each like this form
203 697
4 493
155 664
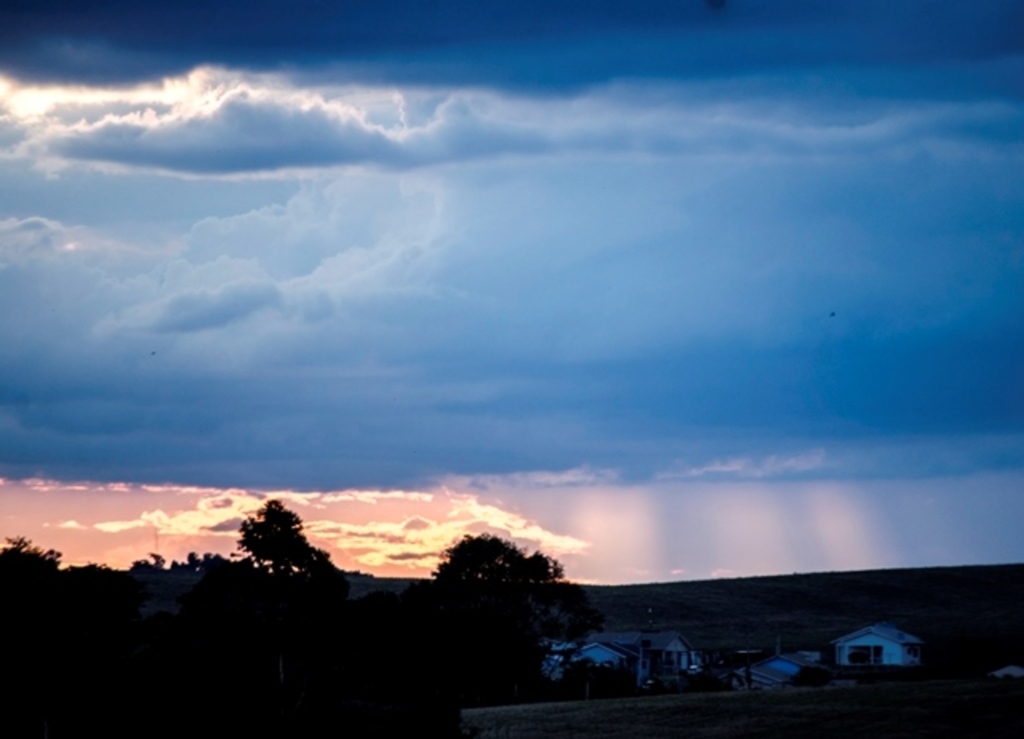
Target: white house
647 654
624 656
607 654
879 644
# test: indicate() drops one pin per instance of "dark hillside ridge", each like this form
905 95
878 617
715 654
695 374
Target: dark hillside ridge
976 608
165 587
948 607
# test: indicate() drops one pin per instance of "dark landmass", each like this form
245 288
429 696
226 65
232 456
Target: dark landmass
274 643
941 605
165 587
950 608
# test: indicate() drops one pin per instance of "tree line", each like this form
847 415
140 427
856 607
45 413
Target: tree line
269 644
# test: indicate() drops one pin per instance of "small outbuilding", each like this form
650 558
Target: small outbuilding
778 671
882 643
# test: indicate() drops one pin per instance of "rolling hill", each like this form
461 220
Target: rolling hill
945 606
975 607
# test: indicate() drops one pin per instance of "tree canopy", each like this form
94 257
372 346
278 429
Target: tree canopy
282 604
264 646
487 590
273 540
68 637
489 559
487 571
22 552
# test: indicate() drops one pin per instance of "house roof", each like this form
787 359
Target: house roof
1014 671
625 651
883 630
777 670
789 664
655 639
768 675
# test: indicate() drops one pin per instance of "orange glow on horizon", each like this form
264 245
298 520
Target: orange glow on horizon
392 533
601 530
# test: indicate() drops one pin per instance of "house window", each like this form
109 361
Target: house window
868 654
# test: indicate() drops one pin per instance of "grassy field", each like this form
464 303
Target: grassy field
981 708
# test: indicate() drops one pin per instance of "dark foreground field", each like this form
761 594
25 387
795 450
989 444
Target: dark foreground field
950 708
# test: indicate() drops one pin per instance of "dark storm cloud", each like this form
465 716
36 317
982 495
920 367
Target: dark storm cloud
809 256
528 44
246 135
243 136
277 129
602 313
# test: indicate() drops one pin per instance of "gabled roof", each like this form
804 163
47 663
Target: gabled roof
883 630
655 639
1014 671
626 651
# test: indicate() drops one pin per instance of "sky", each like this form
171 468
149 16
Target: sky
666 289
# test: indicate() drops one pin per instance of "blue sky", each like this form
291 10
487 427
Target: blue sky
616 272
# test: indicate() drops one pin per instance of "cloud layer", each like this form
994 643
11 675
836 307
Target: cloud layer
681 244
659 260
535 44
215 122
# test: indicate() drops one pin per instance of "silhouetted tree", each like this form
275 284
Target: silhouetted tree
155 563
493 609
22 555
263 648
194 563
489 568
30 593
275 617
272 539
68 634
